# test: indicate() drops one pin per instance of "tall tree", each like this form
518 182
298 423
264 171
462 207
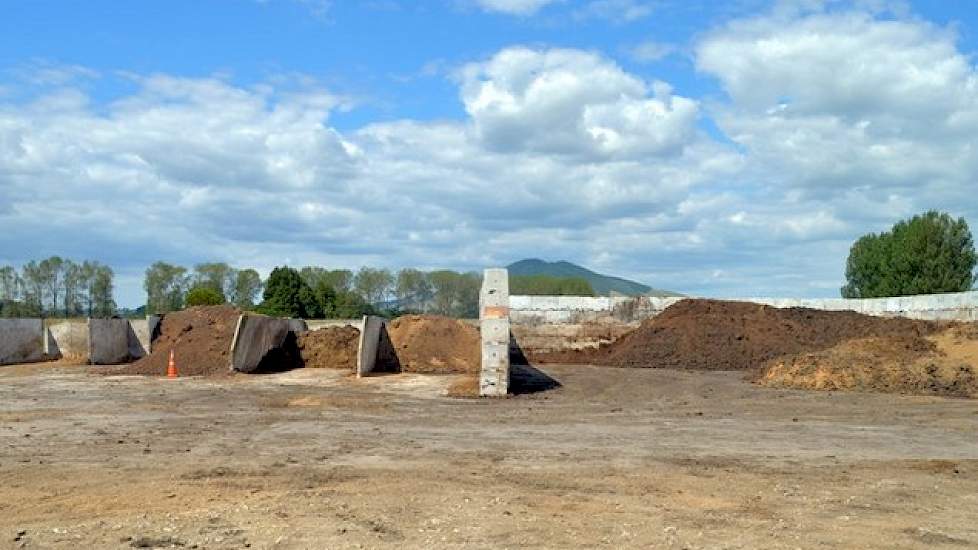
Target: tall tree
339 279
929 253
247 288
165 286
74 288
413 289
287 295
34 281
51 273
373 284
217 276
104 305
455 294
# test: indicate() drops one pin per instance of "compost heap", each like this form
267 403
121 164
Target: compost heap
432 344
719 335
941 364
329 348
200 337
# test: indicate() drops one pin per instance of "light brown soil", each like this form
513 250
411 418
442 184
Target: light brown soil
435 345
945 363
329 348
614 458
200 338
720 335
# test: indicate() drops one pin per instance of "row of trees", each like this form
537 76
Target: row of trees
57 287
317 292
170 287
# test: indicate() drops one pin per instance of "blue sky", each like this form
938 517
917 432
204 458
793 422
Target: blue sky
731 150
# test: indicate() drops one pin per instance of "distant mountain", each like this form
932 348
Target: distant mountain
603 285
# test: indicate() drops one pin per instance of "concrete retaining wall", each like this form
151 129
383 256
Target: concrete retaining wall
494 331
550 323
67 338
108 341
257 336
21 341
141 335
371 333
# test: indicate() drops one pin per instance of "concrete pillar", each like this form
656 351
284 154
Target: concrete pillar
494 330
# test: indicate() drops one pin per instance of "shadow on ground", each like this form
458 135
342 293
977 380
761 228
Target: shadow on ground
526 379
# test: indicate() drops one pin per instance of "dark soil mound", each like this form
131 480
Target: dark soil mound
718 335
200 338
329 348
435 345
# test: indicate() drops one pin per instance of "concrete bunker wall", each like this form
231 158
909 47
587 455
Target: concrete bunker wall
21 341
108 341
372 332
67 338
257 336
494 331
551 323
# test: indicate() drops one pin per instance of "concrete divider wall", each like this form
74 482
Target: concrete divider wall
551 323
108 341
67 338
494 331
256 336
371 329
21 341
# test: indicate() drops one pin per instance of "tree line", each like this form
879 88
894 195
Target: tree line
312 292
57 287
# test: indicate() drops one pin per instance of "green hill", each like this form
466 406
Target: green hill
603 284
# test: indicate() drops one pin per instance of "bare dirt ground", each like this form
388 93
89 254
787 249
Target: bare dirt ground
614 458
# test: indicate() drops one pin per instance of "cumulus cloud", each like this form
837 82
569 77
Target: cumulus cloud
844 100
569 102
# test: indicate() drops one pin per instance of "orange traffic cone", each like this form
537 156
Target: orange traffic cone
171 367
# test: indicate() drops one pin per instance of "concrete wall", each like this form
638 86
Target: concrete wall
494 330
258 336
551 323
371 330
21 341
141 335
67 338
108 341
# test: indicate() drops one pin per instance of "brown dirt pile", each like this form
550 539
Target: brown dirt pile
431 344
329 348
719 335
200 337
945 363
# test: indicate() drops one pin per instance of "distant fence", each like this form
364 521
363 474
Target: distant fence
550 323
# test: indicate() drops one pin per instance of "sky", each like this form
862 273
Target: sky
715 148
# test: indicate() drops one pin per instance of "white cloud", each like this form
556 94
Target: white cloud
569 102
835 101
615 10
650 51
514 7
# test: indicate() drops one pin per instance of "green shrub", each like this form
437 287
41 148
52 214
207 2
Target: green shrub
204 296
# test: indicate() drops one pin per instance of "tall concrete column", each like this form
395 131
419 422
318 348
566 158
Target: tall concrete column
494 329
